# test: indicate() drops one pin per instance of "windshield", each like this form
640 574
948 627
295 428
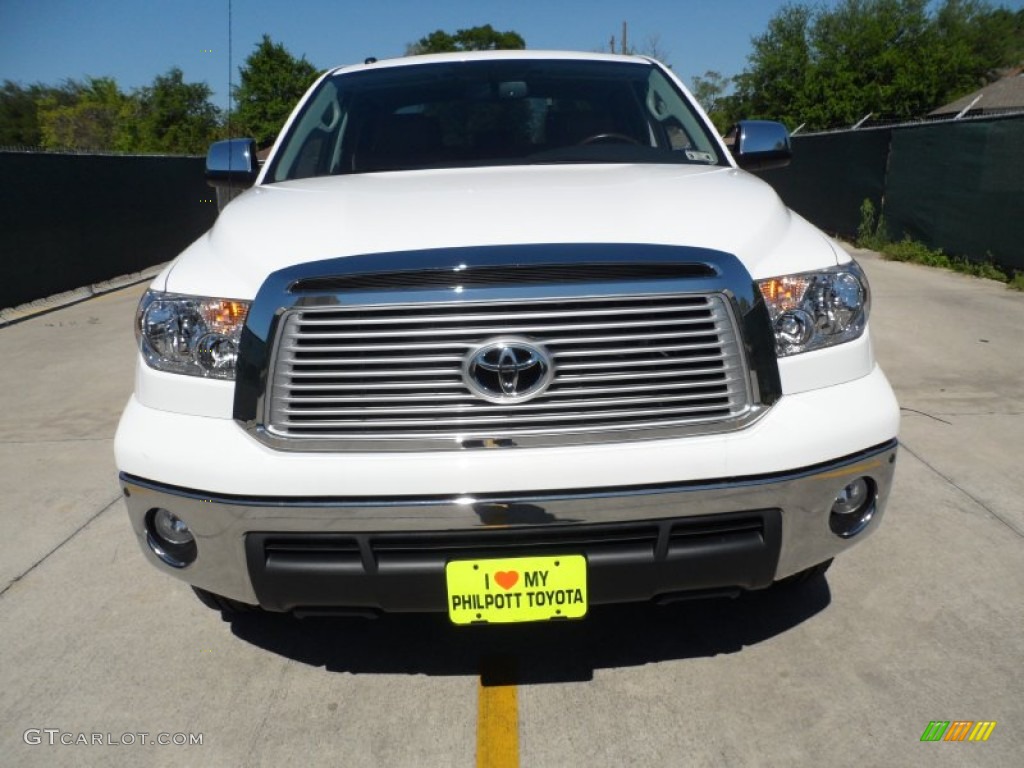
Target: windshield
494 112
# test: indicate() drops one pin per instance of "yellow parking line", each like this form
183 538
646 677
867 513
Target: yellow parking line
497 726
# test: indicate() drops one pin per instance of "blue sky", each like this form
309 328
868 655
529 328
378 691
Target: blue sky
135 40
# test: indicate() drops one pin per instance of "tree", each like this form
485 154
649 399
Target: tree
977 43
828 68
775 84
168 116
871 56
85 115
19 114
174 116
651 47
710 91
485 38
272 81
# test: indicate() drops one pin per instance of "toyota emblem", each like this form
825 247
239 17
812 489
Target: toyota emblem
508 370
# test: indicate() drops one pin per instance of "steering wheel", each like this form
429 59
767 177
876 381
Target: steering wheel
617 137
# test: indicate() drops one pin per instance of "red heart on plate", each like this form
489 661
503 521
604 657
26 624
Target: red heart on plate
506 579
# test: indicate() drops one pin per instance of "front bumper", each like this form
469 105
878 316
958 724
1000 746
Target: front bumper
641 542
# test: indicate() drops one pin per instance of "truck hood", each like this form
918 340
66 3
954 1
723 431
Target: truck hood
279 225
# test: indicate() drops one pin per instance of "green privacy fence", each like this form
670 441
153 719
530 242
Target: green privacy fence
956 185
68 221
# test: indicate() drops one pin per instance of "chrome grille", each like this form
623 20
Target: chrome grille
393 373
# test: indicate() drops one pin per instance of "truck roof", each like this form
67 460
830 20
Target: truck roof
436 58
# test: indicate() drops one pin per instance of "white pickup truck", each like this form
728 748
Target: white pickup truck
504 335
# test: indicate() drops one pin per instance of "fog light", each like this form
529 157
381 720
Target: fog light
170 538
853 508
171 527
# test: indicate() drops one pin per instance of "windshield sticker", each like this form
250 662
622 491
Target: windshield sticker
699 157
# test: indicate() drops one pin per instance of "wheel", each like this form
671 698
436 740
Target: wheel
223 604
614 137
804 576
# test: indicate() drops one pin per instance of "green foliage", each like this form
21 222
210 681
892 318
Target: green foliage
272 82
872 231
867 226
871 234
485 38
985 269
710 91
918 253
19 113
776 86
829 67
169 116
976 41
173 116
871 57
85 115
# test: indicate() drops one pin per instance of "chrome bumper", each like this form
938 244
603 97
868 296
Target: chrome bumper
802 499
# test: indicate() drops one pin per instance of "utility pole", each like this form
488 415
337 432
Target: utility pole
625 44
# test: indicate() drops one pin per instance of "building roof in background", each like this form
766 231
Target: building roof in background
1005 94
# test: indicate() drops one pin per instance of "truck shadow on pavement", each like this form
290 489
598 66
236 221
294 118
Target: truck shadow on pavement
553 652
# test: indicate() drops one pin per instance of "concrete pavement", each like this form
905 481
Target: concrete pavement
922 622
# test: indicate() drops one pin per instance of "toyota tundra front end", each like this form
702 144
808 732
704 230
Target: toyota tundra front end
503 335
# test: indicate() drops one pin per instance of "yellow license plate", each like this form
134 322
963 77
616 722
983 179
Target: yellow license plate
514 589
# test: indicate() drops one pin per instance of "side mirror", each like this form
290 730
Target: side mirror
232 163
761 144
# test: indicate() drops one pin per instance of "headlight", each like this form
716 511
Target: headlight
812 310
193 335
